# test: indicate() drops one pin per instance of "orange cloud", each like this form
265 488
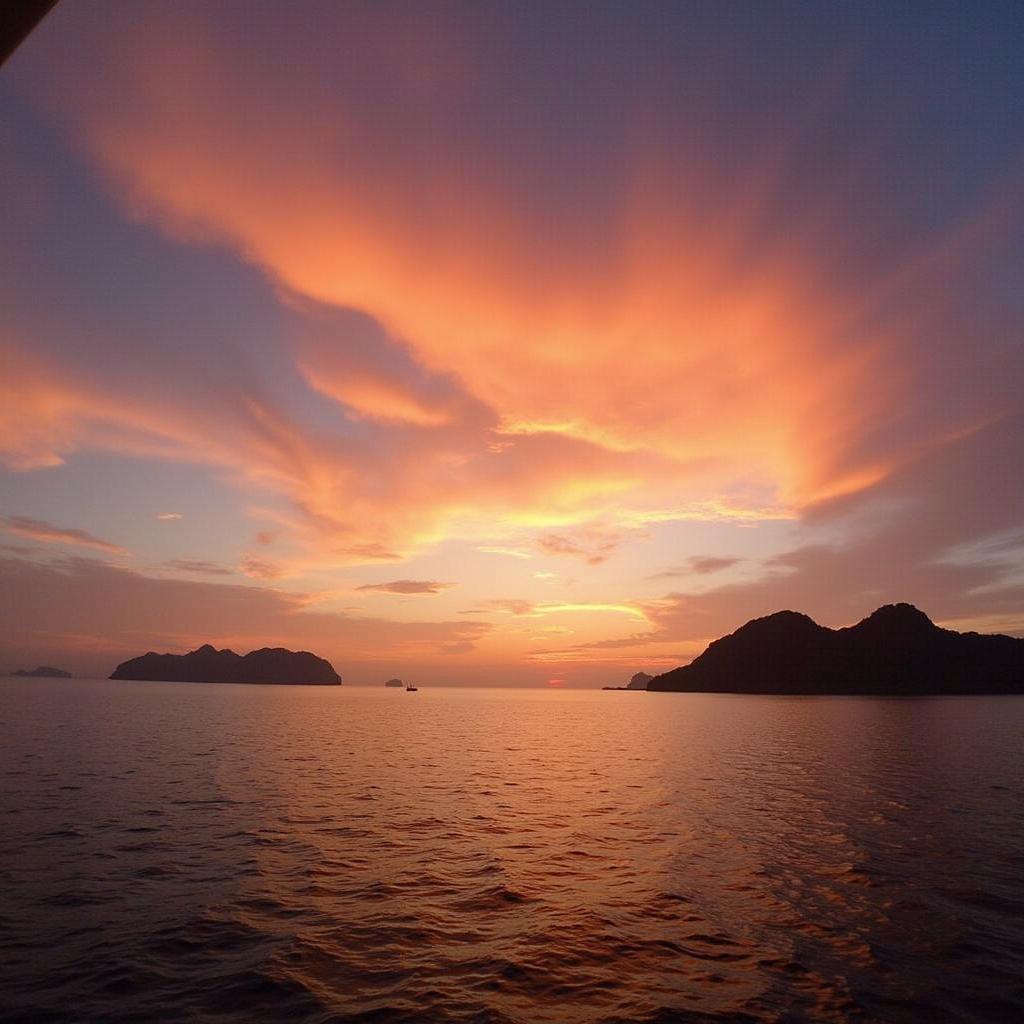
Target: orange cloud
592 549
349 502
639 343
754 372
377 400
532 609
510 606
680 328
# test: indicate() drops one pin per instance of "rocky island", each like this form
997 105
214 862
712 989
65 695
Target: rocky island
395 683
895 651
638 682
208 665
42 672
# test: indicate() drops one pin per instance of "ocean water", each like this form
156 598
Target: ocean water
185 852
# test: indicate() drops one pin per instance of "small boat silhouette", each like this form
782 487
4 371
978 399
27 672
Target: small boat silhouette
409 688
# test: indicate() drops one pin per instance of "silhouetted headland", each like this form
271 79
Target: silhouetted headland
896 651
638 682
43 672
394 682
208 665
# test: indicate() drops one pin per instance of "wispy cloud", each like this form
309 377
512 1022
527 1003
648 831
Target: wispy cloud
407 587
700 565
633 611
508 605
593 548
457 647
37 529
260 569
169 515
536 609
703 564
196 566
510 552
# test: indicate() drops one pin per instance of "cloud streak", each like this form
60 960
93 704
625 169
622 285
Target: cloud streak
196 566
261 569
407 587
592 549
37 529
700 565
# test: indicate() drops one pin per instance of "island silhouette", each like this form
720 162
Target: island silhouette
896 651
208 665
638 682
43 672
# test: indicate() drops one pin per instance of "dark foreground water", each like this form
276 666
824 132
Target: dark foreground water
181 852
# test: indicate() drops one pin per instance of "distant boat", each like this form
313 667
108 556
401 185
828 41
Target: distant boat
409 688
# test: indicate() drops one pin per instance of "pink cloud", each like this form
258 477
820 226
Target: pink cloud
37 529
260 569
407 587
198 567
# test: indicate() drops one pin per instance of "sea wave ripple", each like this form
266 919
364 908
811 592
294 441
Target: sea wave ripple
187 853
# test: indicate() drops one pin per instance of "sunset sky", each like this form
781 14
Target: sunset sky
506 343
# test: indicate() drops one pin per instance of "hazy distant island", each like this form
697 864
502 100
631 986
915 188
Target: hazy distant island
43 672
394 682
896 651
208 665
638 682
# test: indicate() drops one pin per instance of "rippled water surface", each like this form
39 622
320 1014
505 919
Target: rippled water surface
181 852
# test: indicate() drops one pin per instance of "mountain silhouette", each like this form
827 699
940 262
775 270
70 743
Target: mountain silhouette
897 650
208 665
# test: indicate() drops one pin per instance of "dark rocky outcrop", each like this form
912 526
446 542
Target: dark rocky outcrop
208 665
43 672
638 682
394 682
897 650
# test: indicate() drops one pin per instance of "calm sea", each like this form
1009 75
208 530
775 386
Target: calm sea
184 852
